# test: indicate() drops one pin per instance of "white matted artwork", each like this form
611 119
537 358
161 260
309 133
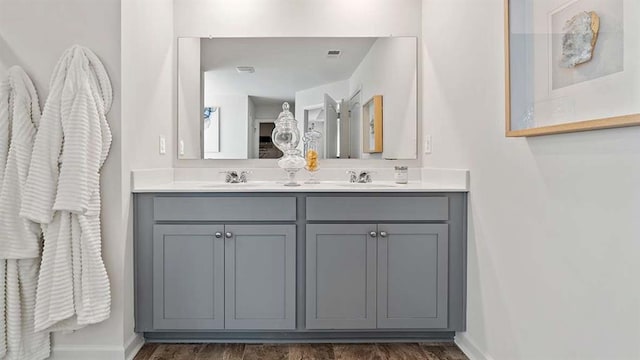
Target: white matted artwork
608 49
572 65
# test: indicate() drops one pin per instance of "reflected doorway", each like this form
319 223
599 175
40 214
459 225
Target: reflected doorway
266 148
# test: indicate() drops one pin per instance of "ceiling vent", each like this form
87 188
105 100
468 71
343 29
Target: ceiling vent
245 69
334 53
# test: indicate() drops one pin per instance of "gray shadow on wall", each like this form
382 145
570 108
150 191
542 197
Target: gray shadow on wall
7 57
589 168
595 142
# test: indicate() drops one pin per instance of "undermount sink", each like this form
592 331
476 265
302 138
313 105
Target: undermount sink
258 184
366 185
232 185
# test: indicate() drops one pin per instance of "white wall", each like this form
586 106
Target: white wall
190 108
234 124
390 70
269 111
315 96
312 97
148 103
250 18
34 34
553 226
247 18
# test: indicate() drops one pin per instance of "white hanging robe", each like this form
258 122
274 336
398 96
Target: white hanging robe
19 238
63 194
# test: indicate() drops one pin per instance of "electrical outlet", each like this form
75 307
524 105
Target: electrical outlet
428 146
163 145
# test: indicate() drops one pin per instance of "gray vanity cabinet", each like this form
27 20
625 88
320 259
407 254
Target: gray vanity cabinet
341 276
188 277
260 279
286 267
412 276
224 277
385 276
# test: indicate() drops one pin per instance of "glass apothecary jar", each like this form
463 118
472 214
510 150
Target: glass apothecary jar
286 137
312 153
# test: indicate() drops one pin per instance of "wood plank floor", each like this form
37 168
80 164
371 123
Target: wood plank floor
413 351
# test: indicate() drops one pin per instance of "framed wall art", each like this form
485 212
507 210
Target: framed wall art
571 65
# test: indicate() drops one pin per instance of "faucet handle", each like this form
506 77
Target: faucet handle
353 177
243 176
230 176
365 176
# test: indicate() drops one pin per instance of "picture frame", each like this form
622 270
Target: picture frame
550 98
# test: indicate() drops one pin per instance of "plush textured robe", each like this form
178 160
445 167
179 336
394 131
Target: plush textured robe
62 194
19 238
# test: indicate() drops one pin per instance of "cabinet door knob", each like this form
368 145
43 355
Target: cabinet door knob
383 234
228 235
218 235
373 234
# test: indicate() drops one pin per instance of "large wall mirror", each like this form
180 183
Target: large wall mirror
360 93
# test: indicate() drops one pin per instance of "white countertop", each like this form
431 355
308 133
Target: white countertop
278 186
270 180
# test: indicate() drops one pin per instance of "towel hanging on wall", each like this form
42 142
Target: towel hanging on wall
19 238
62 193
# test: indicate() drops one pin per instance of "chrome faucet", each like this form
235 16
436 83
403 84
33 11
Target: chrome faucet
362 177
235 177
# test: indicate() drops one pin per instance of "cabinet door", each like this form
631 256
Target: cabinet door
260 276
188 277
412 276
341 276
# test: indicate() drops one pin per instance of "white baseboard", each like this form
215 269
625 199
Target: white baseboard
469 348
135 343
81 352
85 352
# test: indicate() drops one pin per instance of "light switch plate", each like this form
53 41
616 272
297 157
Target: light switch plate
163 145
428 146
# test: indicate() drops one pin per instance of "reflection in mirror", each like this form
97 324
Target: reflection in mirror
372 125
360 94
211 131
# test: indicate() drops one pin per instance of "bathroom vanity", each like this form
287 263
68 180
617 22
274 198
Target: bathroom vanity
304 264
331 261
